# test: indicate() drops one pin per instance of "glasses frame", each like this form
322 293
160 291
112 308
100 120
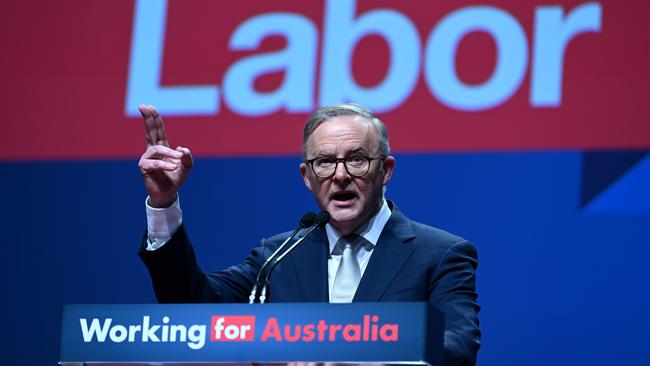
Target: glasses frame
310 162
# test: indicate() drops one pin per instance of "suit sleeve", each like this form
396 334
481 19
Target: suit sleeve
177 277
453 291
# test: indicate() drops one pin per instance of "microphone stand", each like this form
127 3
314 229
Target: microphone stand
306 221
321 220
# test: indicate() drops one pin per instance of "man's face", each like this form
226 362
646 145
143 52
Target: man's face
351 201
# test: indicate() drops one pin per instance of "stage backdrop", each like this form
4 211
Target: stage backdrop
520 125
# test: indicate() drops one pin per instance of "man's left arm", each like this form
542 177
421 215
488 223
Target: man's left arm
453 291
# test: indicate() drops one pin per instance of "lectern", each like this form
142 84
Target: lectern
259 333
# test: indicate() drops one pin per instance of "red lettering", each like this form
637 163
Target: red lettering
288 336
384 332
369 330
322 327
375 319
366 327
352 333
271 330
308 330
333 329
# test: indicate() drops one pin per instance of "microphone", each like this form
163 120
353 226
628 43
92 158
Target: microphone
321 220
307 220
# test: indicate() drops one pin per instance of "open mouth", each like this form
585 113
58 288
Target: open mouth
344 197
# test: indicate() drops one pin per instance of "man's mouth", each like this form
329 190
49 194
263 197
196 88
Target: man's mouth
343 197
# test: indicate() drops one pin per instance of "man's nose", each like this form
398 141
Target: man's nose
340 172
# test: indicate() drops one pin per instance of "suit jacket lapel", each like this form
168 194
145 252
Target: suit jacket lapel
388 257
309 260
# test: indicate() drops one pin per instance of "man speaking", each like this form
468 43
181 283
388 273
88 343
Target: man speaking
368 251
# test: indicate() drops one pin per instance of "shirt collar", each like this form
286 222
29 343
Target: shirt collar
370 231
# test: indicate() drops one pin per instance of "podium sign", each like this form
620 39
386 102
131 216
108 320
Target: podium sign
267 333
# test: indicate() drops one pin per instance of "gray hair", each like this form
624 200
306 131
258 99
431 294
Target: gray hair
347 109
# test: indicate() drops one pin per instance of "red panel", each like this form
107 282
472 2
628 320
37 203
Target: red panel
65 65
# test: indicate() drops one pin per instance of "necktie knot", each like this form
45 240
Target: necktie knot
351 242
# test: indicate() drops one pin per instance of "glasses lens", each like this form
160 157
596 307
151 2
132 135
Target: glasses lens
357 165
324 167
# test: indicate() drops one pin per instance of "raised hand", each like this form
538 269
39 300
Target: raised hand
164 169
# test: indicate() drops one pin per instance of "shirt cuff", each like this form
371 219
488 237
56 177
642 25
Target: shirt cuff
162 223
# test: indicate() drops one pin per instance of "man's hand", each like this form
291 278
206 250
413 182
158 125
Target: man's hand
163 168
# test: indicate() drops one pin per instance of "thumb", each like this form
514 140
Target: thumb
186 159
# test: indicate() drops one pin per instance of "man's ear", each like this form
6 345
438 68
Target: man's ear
304 171
389 167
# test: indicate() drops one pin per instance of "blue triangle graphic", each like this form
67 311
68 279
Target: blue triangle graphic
629 194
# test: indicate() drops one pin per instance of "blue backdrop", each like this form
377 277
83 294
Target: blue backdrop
560 283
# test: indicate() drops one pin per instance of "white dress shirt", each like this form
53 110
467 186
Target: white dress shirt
162 223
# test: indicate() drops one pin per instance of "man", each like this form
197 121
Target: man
369 251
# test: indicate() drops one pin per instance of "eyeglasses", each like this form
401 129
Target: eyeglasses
355 165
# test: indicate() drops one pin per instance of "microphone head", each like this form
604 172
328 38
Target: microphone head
308 219
322 218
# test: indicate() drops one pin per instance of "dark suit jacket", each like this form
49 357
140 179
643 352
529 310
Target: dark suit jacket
411 262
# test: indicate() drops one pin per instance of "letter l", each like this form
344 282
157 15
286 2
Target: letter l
145 65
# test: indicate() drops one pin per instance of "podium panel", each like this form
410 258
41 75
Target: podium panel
243 333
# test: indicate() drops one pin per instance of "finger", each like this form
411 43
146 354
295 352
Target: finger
148 166
186 159
160 127
154 127
173 160
150 132
161 152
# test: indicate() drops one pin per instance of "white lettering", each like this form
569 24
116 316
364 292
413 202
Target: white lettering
512 58
118 333
196 335
218 328
341 35
149 333
94 330
178 330
552 36
244 329
232 332
297 61
145 67
343 29
133 331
